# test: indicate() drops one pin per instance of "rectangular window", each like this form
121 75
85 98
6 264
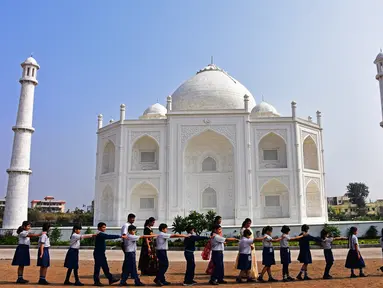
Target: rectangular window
33 72
270 155
146 203
148 157
272 201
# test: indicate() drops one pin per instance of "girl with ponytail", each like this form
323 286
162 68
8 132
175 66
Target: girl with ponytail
22 257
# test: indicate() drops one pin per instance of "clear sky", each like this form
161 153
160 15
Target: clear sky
95 55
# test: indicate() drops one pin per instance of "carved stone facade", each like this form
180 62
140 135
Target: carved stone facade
206 155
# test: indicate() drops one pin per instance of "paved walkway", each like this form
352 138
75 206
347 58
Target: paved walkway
116 255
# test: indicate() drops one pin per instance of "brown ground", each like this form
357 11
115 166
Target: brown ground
56 275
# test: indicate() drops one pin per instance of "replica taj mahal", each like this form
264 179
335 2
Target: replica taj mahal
211 148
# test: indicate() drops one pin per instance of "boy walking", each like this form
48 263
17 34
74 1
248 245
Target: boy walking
189 244
99 256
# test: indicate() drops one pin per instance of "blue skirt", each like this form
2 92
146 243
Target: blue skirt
22 257
268 257
244 262
71 259
285 255
305 257
352 261
328 256
45 260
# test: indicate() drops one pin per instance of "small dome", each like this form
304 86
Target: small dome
211 88
379 57
264 109
155 111
30 61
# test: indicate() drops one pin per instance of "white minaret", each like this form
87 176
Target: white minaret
16 205
379 76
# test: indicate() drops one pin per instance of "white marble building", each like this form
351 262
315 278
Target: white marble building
212 147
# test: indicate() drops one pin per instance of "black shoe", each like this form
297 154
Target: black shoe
238 280
362 275
222 282
290 278
271 279
307 278
158 283
260 279
98 284
213 282
123 284
43 282
327 277
250 280
188 284
194 282
139 284
78 283
68 283
353 276
21 281
381 268
113 280
299 277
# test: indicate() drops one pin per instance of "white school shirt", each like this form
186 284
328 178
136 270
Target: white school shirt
285 241
162 241
74 241
326 243
24 239
217 243
130 243
245 245
353 241
44 239
267 241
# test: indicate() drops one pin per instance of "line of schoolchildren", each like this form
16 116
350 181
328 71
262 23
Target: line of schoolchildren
22 257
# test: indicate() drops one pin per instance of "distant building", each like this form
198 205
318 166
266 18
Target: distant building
2 204
342 204
49 204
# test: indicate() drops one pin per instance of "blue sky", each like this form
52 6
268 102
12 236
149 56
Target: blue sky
95 55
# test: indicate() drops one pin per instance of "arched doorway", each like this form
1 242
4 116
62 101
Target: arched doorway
209 174
144 201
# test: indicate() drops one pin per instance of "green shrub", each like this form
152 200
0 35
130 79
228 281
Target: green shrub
333 230
8 239
371 233
55 235
88 241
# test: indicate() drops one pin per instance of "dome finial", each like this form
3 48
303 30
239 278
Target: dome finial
263 98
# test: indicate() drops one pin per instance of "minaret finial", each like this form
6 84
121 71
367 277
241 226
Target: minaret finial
211 60
263 98
158 101
32 53
380 50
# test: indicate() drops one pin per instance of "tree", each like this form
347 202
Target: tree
55 235
179 224
358 192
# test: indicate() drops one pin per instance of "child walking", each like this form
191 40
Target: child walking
162 248
245 256
354 258
43 259
189 244
71 258
99 256
327 240
304 256
285 253
22 257
217 247
268 257
381 244
130 247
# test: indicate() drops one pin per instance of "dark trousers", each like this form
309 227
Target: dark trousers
218 272
129 267
327 268
285 269
190 267
100 262
163 265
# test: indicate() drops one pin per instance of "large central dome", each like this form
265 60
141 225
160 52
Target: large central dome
211 89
